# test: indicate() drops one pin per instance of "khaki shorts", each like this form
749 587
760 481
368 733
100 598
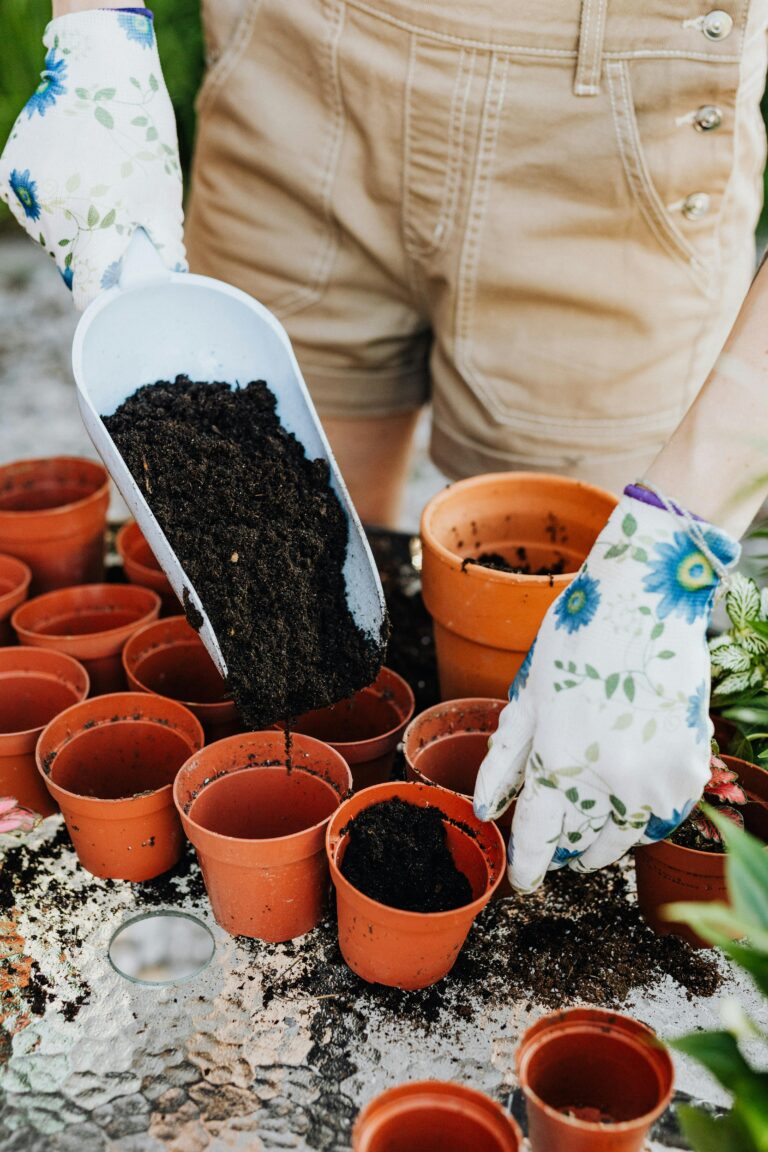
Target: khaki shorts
539 215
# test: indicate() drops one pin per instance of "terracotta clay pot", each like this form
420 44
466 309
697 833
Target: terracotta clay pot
366 729
142 568
53 516
35 685
91 623
593 1081
15 579
259 829
168 657
668 872
110 763
485 620
435 1114
387 945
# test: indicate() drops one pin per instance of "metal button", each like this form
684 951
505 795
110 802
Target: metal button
717 25
696 205
707 118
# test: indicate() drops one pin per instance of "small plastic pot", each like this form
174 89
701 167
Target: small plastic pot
668 872
91 623
435 1114
35 686
258 827
486 620
168 657
15 579
53 516
593 1081
387 945
366 729
141 567
110 763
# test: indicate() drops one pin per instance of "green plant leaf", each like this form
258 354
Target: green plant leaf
572 794
82 93
719 1053
611 684
623 722
640 555
109 219
616 550
746 870
629 525
140 121
593 753
103 117
667 654
105 94
657 630
629 688
649 730
708 1133
93 216
644 610
63 243
619 805
151 134
587 804
591 672
153 82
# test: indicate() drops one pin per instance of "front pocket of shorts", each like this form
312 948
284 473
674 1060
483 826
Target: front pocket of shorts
225 43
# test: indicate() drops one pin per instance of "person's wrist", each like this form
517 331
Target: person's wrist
68 7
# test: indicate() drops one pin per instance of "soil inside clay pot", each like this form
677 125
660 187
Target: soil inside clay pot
516 561
688 836
261 535
398 854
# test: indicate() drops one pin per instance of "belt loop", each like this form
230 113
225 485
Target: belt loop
591 37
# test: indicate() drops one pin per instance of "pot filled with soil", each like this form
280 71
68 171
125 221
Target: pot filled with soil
110 764
366 729
256 807
412 867
91 623
53 517
35 686
168 657
594 1081
435 1114
690 863
15 579
141 567
497 550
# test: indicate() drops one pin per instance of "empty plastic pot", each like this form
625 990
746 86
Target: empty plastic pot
15 579
53 516
435 1114
259 825
142 568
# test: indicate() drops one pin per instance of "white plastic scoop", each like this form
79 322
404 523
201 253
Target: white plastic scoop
156 325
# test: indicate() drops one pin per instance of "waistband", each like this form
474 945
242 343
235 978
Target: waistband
621 29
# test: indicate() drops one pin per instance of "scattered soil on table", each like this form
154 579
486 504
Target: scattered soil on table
261 535
398 854
520 566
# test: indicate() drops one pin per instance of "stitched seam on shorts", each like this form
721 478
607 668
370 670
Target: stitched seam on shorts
639 180
588 64
493 104
308 293
563 431
525 50
456 125
224 66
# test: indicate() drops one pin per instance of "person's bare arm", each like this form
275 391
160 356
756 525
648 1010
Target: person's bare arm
64 7
716 462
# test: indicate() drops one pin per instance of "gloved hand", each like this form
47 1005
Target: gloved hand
607 725
93 154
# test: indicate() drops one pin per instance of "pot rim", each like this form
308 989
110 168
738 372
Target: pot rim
388 733
99 492
19 589
187 818
206 709
153 606
130 529
435 711
476 571
126 699
42 674
453 1094
334 840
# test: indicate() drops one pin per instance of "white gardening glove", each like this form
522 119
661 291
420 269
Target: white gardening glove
607 725
93 154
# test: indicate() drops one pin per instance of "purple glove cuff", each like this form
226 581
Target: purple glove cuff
645 496
134 11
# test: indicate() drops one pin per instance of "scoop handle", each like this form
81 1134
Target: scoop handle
142 262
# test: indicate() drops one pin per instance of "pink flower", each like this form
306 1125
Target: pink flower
14 818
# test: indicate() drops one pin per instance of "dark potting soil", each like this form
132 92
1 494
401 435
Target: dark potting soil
522 566
688 836
261 535
398 854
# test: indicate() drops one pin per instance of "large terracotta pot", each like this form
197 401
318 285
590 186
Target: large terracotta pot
387 945
35 686
258 826
53 516
110 763
486 620
15 579
668 872
435 1114
91 622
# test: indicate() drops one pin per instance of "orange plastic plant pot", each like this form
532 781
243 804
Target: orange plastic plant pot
486 620
668 872
92 623
15 579
35 686
411 950
53 516
435 1114
366 729
110 763
594 1081
168 657
258 827
142 568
